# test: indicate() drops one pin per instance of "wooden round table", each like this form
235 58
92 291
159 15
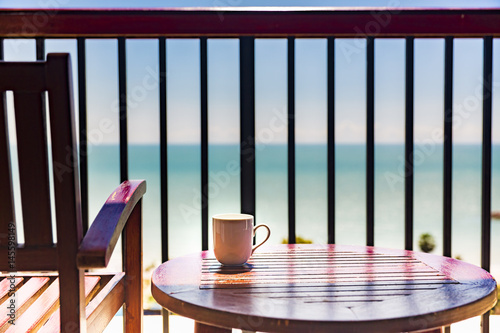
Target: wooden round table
324 288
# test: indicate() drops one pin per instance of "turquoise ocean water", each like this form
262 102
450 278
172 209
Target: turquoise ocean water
311 190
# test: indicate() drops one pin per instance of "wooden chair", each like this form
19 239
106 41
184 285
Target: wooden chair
87 301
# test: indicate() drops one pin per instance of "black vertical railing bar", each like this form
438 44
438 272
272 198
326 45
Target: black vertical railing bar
40 48
447 149
82 125
291 140
247 124
447 145
409 170
370 141
162 66
486 165
204 142
122 93
1 49
162 79
331 138
486 154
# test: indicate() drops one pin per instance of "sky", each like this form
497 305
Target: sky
183 94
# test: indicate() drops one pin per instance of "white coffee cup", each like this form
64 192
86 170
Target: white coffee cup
233 235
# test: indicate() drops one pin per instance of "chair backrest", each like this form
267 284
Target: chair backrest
35 85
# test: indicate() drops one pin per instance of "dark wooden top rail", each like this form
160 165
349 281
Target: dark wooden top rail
240 21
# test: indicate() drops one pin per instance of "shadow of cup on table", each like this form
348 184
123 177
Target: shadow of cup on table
231 269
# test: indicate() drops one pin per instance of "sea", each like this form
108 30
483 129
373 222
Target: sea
184 198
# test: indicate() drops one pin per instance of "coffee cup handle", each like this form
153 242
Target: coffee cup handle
267 237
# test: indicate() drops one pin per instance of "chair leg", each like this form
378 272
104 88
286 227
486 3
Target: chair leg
132 261
72 300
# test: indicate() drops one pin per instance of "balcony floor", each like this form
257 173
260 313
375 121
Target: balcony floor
180 324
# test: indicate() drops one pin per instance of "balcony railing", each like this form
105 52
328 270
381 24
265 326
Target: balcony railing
247 24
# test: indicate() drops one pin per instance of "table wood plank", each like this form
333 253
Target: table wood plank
326 266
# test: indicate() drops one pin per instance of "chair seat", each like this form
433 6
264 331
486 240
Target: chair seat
37 301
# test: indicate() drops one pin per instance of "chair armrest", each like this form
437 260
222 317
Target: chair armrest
100 240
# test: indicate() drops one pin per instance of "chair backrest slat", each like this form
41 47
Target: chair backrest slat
33 167
66 187
6 197
64 158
